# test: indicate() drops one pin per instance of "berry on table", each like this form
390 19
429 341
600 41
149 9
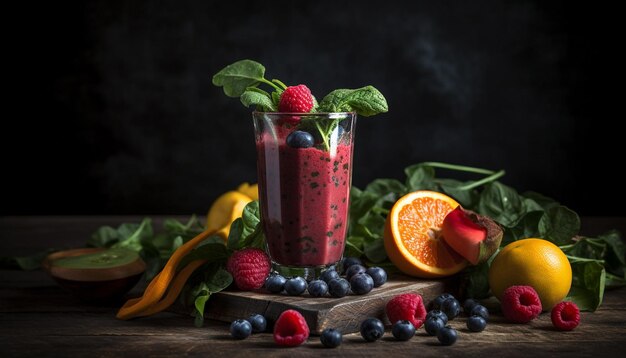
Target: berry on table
439 314
451 307
433 325
353 270
378 274
331 338
240 329
295 286
300 139
317 288
296 99
290 329
565 316
275 283
329 275
338 287
403 330
476 323
520 304
479 310
258 322
249 268
408 306
447 336
435 304
361 283
349 261
372 329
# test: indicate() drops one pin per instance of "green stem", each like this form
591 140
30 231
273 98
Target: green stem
460 168
270 83
483 181
280 83
582 259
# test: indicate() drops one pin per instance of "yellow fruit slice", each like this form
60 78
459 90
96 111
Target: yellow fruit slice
250 190
532 262
225 209
412 235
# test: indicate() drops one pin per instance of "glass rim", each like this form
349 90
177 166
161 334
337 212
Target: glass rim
300 114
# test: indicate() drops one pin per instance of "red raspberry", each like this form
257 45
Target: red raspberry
249 268
521 304
290 329
408 306
296 99
565 316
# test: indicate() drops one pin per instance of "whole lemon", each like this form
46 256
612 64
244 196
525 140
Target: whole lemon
532 262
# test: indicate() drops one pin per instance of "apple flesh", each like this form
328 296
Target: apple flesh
475 237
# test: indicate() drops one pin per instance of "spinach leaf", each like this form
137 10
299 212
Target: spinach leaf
526 227
217 281
366 101
501 203
237 77
420 177
259 98
588 282
559 225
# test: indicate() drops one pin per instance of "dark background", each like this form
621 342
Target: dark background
111 107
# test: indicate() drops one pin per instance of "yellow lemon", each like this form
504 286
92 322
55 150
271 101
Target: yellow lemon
226 209
250 190
532 262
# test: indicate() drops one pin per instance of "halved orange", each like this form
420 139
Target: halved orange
412 235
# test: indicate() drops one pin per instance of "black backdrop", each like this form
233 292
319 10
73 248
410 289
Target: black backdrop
112 109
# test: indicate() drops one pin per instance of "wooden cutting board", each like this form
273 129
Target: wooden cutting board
344 314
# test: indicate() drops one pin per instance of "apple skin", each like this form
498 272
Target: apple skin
475 237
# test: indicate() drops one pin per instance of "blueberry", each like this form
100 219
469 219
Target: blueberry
403 330
469 304
436 303
378 274
353 270
361 283
240 329
317 288
476 323
331 338
329 275
372 329
349 261
295 286
433 325
447 336
275 283
300 139
258 322
338 287
439 314
480 310
451 307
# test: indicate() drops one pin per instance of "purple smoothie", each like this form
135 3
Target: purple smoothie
304 197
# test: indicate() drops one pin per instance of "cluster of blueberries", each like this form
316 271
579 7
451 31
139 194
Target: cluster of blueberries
446 307
356 278
243 328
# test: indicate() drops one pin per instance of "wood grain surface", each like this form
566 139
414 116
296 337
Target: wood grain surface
37 318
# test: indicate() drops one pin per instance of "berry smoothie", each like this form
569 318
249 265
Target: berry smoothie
304 197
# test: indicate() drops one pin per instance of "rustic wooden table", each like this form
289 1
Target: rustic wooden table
37 318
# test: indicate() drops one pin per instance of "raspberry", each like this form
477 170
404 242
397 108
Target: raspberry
290 329
565 316
521 304
249 268
296 99
408 306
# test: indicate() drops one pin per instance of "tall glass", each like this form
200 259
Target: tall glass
304 191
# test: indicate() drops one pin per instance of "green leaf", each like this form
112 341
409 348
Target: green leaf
616 251
131 235
454 188
559 225
543 201
366 101
420 177
374 249
588 283
262 101
475 283
237 77
251 217
382 187
105 236
217 281
212 252
354 246
25 263
501 203
234 236
526 227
